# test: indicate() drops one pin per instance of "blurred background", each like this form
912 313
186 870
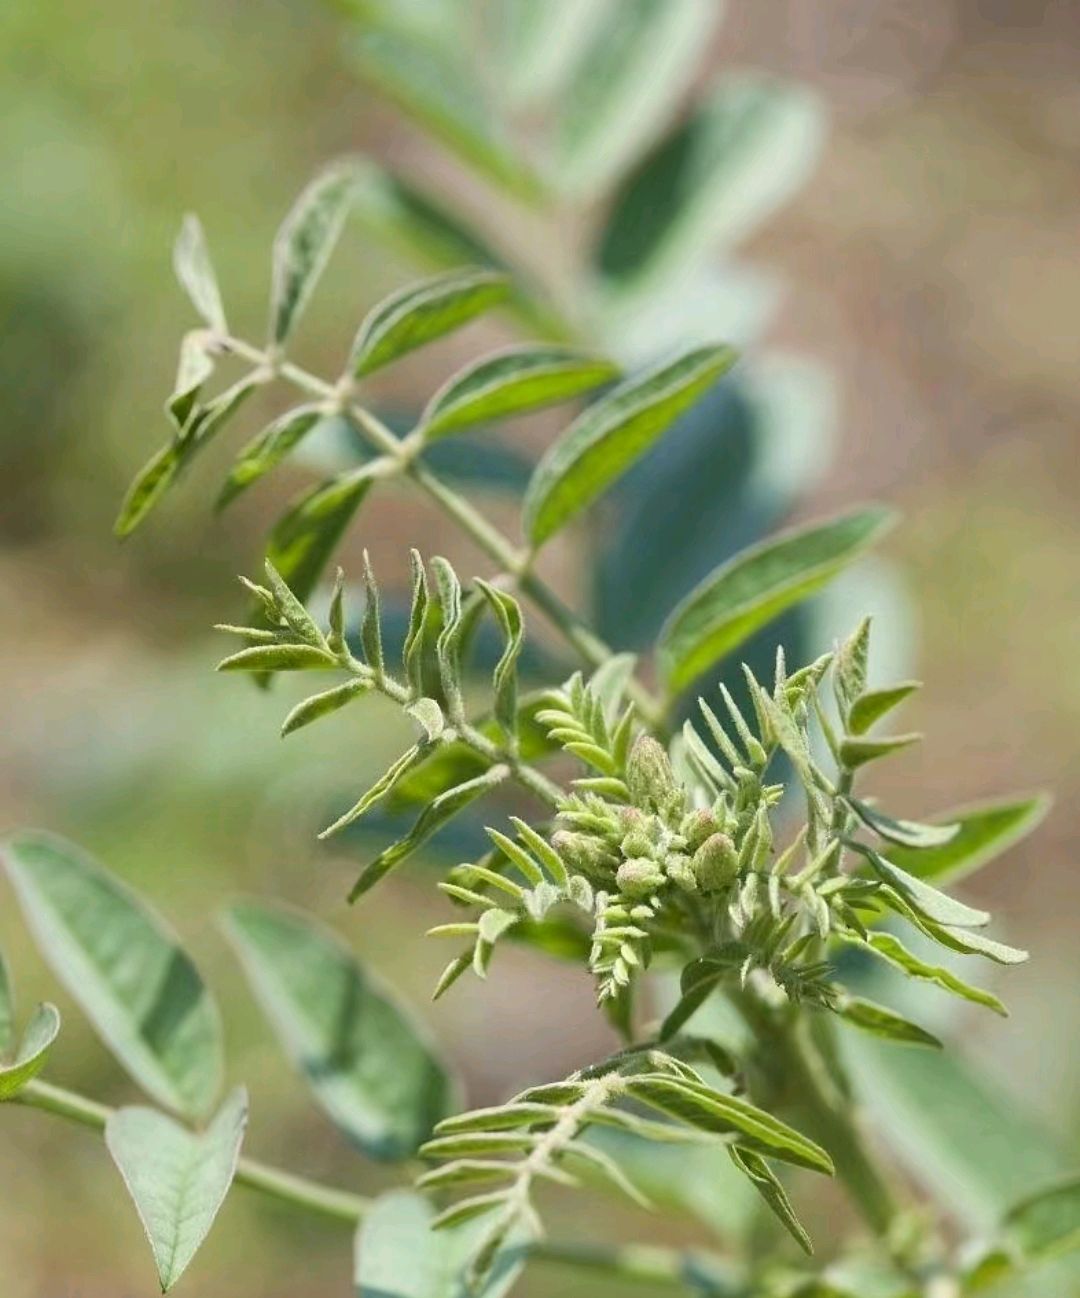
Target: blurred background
922 284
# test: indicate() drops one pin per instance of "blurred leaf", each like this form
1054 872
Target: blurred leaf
985 832
1047 1224
438 90
148 486
140 991
906 833
542 43
7 1007
32 1051
512 382
177 1179
753 587
882 1022
398 1255
627 83
742 154
370 1065
767 1184
195 271
266 451
606 439
195 366
304 243
420 313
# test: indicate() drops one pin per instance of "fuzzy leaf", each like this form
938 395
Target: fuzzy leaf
757 585
195 271
767 1184
178 1179
985 831
420 313
304 243
872 705
278 658
507 613
628 82
611 434
32 1052
1047 1224
906 833
378 790
321 705
882 1022
139 990
369 1063
857 750
268 449
922 898
512 382
891 949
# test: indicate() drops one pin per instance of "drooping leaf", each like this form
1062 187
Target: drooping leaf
420 313
985 831
178 1179
606 439
370 1065
268 449
32 1051
906 833
767 1184
305 242
195 271
627 83
746 150
139 989
883 1022
1047 1223
510 382
755 586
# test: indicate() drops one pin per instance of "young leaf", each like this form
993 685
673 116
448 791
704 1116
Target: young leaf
194 270
891 949
630 79
278 658
920 896
149 485
906 833
420 313
757 585
882 1022
872 705
304 243
767 1184
514 381
1046 1224
856 751
32 1051
507 613
379 789
178 1179
370 1064
140 991
984 832
611 434
268 449
321 705
7 1007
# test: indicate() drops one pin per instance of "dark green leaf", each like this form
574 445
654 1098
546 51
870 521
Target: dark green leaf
512 382
140 991
370 1064
178 1179
872 705
882 1022
268 449
194 270
767 1184
32 1051
985 832
304 243
757 585
420 313
906 833
699 980
606 439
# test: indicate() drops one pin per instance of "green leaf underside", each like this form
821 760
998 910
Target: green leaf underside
924 899
905 833
515 381
611 434
765 1181
369 1064
756 586
420 313
985 831
32 1052
178 1179
140 991
398 1255
883 1022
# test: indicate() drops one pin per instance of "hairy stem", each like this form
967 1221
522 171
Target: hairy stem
513 561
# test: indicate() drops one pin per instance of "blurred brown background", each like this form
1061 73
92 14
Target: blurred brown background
931 263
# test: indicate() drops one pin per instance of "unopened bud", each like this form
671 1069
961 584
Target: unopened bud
716 863
638 877
698 825
637 843
648 773
680 871
583 853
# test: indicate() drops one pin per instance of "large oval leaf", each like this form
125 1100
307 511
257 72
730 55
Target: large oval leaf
141 992
604 441
420 313
755 586
178 1179
512 382
369 1063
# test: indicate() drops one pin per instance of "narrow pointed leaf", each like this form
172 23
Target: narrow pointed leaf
755 586
147 488
985 831
767 1184
268 449
420 313
304 243
512 382
872 705
891 949
378 790
882 1022
195 271
905 833
857 750
32 1052
278 658
178 1179
611 434
370 1065
922 897
321 705
138 988
507 613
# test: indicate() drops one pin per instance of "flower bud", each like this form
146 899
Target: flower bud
639 877
680 871
648 774
698 825
582 852
637 843
716 863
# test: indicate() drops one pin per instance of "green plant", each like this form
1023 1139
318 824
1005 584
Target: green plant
645 846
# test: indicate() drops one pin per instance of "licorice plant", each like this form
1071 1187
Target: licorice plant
734 859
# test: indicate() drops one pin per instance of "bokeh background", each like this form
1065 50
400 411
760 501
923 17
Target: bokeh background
930 264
